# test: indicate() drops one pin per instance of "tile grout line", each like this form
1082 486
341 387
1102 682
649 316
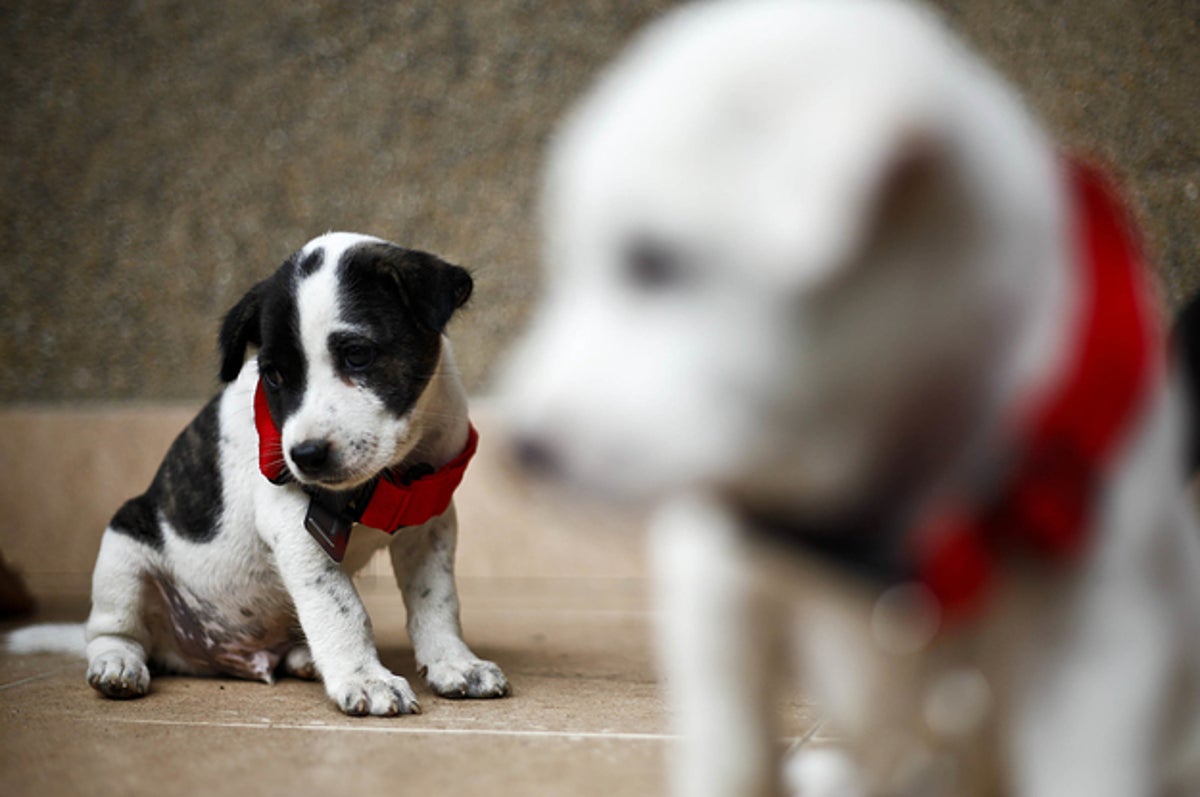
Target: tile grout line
32 678
624 736
293 726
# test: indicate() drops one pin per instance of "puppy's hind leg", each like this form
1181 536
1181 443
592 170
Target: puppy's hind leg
298 663
423 560
719 645
118 639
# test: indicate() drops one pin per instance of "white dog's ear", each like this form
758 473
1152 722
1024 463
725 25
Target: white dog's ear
904 187
854 189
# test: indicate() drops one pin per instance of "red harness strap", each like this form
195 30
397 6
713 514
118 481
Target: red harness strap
270 442
1044 506
392 504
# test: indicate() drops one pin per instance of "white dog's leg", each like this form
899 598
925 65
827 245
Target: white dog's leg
118 640
718 644
1097 704
1091 710
1087 722
423 560
823 772
334 622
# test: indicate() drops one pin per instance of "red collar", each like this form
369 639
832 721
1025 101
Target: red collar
1045 505
1042 506
388 502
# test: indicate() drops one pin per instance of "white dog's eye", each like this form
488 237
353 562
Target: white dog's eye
652 266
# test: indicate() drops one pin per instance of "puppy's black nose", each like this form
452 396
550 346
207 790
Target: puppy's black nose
311 455
536 456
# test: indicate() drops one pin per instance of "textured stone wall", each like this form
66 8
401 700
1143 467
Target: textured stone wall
159 157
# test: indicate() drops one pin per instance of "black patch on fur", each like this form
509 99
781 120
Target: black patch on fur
402 300
865 544
241 328
281 352
1186 334
186 491
267 317
307 266
138 519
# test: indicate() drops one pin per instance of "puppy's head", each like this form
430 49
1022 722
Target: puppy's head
765 266
349 331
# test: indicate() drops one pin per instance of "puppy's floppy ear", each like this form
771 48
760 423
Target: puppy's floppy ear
432 288
878 177
906 185
240 329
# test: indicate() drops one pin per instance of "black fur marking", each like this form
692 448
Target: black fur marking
306 267
281 352
868 543
190 478
1186 334
402 300
267 317
138 519
239 330
186 491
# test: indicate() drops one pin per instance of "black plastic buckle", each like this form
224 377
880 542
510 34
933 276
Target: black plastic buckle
328 528
331 517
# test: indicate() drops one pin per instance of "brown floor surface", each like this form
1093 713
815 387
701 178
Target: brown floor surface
556 593
585 716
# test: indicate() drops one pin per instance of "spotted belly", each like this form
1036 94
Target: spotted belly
243 641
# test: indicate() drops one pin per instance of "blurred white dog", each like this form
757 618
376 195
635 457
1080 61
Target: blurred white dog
820 286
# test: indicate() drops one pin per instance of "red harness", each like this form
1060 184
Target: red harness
389 502
1042 506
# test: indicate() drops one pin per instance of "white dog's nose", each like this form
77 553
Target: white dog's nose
536 455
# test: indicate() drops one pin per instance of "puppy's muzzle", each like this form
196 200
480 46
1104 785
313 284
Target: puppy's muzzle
536 456
312 457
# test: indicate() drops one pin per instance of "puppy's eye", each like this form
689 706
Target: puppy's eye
272 378
357 357
652 267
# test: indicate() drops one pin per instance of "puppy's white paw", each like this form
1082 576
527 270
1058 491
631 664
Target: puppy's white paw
378 693
822 772
466 678
119 675
298 663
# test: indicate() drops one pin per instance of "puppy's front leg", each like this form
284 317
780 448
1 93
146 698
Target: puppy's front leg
718 642
336 624
423 560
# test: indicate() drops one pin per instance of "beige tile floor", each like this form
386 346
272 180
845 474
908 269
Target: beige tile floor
557 595
585 716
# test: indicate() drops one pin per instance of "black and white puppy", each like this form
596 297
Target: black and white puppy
219 570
